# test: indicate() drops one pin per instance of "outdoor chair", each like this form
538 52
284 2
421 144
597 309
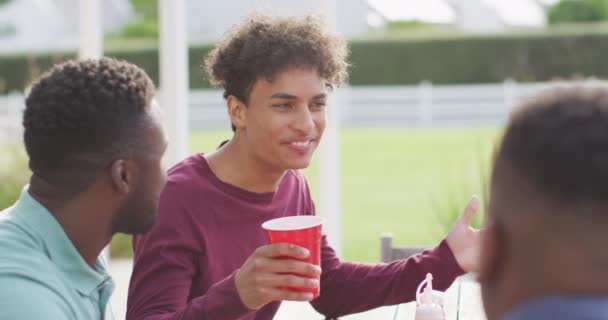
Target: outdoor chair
389 253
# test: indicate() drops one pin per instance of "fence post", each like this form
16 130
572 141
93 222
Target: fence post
592 80
173 63
425 98
386 245
11 108
90 29
330 199
509 87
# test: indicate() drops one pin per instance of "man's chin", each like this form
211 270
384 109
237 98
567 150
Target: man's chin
300 165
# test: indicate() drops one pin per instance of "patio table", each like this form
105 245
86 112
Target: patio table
462 302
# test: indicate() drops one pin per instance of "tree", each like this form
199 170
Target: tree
567 11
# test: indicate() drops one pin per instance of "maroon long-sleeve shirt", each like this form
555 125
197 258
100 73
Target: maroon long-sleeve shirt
184 267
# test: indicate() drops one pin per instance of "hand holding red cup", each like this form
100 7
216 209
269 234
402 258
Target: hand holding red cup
303 231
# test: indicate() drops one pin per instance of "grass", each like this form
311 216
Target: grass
410 182
395 180
14 172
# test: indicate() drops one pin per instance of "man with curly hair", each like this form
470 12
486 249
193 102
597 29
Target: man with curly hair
95 143
208 257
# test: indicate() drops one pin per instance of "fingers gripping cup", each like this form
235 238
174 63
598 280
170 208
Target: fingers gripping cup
303 231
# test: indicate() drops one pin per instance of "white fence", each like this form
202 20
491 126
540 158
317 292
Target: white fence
11 108
424 105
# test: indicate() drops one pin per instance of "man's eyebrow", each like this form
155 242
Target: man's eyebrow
281 95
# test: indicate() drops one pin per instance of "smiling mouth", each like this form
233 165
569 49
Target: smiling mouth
301 144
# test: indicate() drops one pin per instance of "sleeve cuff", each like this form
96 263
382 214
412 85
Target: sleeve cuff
450 268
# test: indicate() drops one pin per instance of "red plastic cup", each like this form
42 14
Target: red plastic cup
303 231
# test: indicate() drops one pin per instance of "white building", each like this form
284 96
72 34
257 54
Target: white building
469 15
497 15
27 25
209 20
35 25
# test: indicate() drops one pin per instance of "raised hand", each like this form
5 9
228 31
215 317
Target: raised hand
465 240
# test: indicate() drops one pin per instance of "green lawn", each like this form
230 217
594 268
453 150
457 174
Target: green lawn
407 182
403 181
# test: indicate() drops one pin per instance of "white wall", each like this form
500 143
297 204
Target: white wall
209 20
53 24
476 16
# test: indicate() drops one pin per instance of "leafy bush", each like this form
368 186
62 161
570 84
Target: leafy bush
138 28
145 25
120 247
578 11
450 201
14 172
148 9
408 25
18 71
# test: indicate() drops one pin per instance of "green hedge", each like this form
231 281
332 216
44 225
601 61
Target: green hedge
523 57
479 59
566 11
17 71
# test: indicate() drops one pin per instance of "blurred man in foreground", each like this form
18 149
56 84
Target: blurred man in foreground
544 251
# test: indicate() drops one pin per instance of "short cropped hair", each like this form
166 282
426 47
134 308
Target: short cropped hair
558 141
81 115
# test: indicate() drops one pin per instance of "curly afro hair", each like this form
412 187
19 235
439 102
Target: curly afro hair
81 115
265 44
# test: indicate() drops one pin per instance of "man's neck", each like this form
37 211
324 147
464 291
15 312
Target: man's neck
82 220
232 165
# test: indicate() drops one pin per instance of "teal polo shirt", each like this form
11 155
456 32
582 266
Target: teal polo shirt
42 275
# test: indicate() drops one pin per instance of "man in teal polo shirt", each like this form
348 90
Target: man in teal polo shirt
95 144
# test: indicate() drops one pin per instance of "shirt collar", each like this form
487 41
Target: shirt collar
562 307
58 246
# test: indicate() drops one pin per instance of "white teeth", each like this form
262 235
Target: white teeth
300 143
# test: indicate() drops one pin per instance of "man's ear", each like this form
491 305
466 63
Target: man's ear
492 249
237 111
123 174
